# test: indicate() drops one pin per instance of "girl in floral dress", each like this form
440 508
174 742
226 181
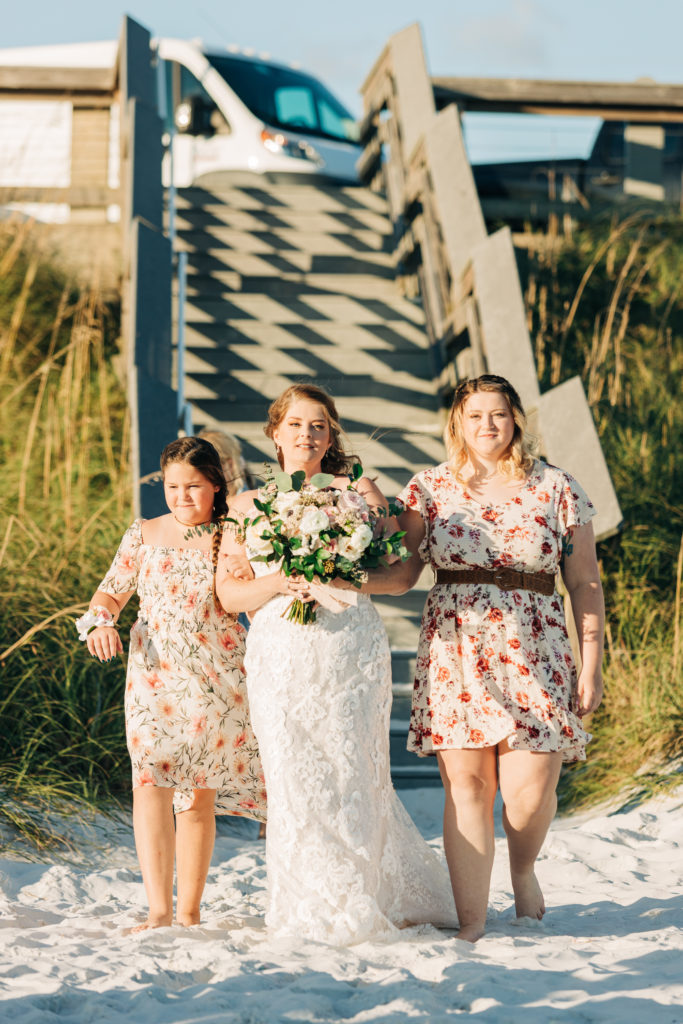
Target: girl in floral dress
496 695
187 718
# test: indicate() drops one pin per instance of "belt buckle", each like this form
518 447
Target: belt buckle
505 579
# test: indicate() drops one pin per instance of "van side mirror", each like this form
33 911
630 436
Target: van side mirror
193 116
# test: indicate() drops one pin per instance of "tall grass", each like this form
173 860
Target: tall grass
607 303
64 502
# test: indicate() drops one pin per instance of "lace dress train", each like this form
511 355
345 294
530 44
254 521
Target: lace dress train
345 861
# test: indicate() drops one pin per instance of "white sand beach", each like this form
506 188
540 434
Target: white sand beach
609 949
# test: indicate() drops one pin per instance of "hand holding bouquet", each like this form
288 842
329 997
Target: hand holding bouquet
318 532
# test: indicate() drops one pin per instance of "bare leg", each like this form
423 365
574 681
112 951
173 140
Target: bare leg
195 837
470 781
155 844
527 784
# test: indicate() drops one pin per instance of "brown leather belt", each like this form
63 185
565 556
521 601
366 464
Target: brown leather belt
504 579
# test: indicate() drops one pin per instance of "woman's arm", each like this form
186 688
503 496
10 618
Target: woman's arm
376 500
398 577
240 594
581 576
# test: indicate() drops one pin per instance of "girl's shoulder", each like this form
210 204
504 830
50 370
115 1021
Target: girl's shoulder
150 531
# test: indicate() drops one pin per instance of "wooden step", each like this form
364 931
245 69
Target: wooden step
293 262
321 308
283 241
406 368
261 195
213 217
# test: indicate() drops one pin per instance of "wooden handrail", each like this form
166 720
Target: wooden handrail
468 280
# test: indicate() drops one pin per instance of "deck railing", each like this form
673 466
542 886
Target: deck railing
157 411
466 278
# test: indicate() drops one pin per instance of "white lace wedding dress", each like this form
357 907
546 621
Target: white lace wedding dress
345 862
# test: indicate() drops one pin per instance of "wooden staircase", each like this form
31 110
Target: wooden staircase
296 282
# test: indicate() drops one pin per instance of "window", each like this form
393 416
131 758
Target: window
285 98
184 87
294 106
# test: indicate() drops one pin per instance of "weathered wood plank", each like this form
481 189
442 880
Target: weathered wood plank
610 100
505 336
55 80
455 194
89 147
83 195
571 441
412 86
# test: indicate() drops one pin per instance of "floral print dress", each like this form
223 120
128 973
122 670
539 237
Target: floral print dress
187 713
495 664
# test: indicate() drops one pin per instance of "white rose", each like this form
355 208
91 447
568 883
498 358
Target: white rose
313 521
257 544
346 549
353 547
285 502
362 536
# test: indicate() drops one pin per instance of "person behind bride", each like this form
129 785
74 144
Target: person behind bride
496 697
344 860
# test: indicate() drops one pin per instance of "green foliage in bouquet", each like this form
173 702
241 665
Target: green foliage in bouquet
319 532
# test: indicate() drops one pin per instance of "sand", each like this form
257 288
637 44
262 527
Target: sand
609 949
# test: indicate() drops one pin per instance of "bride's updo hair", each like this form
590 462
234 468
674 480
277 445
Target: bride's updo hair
519 457
336 460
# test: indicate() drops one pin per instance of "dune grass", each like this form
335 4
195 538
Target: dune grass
64 502
606 302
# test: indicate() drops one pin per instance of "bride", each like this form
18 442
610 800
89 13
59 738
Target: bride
344 860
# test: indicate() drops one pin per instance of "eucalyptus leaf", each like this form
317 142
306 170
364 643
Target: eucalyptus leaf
322 480
283 481
356 472
298 480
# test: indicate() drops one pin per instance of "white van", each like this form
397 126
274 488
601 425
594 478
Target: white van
224 111
235 111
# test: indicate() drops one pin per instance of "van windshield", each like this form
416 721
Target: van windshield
285 98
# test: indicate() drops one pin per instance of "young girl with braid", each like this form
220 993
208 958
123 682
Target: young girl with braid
187 717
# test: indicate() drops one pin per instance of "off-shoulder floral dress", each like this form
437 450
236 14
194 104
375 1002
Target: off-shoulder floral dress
495 664
187 713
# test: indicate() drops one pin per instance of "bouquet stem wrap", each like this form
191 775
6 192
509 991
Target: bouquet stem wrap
303 612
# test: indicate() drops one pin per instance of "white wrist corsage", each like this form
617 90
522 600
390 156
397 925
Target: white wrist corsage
94 617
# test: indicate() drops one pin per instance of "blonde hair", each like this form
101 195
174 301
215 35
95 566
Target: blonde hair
519 457
335 460
230 452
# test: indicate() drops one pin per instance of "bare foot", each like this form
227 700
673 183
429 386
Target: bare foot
470 932
187 920
152 922
529 900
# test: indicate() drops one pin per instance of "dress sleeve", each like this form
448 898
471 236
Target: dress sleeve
415 495
574 506
125 569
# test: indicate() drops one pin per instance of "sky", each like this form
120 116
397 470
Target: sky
597 40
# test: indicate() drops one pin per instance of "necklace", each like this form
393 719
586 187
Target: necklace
181 523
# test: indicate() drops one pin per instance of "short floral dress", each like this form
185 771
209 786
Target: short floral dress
187 713
495 664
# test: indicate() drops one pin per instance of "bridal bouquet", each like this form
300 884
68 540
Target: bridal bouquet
320 533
